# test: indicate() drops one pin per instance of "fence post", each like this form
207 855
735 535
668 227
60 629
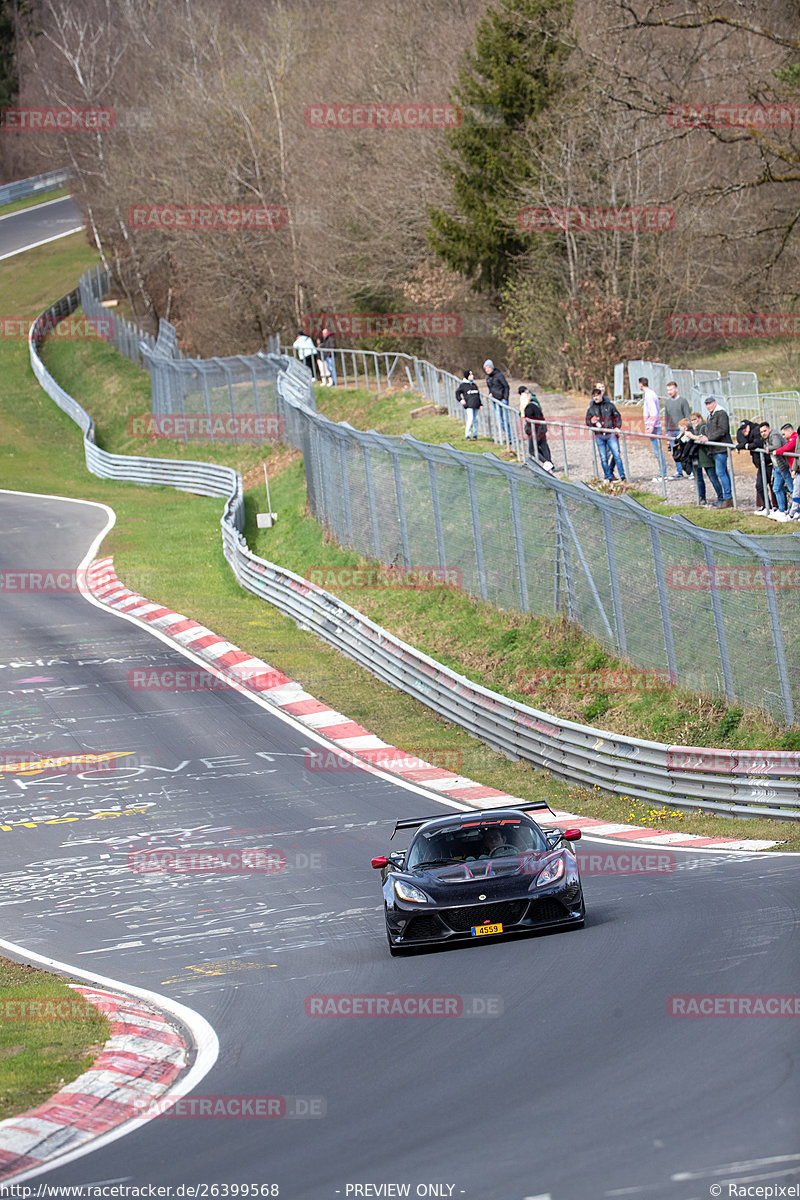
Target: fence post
519 545
373 512
345 476
401 508
563 583
663 602
437 512
719 621
613 576
477 539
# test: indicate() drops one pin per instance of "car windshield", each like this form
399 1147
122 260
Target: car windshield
470 843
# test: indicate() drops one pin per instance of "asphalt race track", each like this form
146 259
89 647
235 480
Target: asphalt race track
42 223
579 1085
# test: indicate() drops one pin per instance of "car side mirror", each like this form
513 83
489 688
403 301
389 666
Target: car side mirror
571 835
380 862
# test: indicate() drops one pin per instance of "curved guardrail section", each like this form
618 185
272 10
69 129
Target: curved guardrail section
748 783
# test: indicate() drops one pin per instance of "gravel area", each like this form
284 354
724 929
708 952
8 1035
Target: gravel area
642 465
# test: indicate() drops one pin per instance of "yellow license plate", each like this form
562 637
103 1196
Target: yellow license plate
482 930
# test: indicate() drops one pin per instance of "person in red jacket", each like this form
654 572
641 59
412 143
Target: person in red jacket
790 453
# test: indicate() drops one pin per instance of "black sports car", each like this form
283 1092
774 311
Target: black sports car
479 874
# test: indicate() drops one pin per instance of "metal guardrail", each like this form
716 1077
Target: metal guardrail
22 188
765 784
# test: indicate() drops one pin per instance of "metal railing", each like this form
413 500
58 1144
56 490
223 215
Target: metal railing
623 765
526 541
23 188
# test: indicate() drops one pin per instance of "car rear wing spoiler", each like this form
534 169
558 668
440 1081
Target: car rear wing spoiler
415 822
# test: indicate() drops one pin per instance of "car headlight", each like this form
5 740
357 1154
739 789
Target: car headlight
407 891
553 871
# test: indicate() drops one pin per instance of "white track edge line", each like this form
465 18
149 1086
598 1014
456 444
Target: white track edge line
312 734
206 1044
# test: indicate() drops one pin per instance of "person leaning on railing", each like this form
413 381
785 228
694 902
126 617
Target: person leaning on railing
786 455
603 418
718 429
748 437
702 460
534 427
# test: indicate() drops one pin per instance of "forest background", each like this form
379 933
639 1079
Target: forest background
560 104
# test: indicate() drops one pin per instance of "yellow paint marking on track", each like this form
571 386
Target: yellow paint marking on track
222 967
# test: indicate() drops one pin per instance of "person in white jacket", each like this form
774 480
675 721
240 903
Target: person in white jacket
651 414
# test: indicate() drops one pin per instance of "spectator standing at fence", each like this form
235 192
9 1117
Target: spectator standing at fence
773 441
651 415
497 384
603 418
748 437
794 507
676 409
782 461
718 429
531 411
327 356
469 396
704 461
306 350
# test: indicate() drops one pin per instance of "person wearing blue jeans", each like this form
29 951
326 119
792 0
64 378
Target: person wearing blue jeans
327 347
651 414
718 430
603 418
497 384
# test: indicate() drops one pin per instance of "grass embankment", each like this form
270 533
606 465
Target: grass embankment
48 1036
167 545
32 201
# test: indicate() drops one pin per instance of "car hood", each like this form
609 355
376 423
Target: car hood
465 883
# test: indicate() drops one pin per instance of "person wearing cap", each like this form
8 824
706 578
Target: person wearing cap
718 429
469 396
531 411
497 384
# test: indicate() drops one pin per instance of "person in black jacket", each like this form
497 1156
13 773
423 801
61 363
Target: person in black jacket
531 411
748 437
497 384
718 430
469 396
603 418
